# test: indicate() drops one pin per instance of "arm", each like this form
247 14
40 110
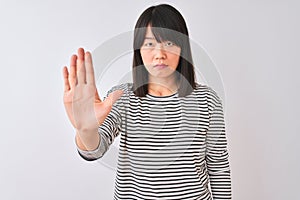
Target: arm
82 103
105 134
216 152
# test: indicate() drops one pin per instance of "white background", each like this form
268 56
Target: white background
254 45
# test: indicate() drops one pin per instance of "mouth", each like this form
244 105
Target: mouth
160 66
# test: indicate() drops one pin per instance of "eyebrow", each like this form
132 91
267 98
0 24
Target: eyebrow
150 38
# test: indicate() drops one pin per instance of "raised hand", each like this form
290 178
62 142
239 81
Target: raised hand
83 105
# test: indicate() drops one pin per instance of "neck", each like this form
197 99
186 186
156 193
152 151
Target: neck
162 87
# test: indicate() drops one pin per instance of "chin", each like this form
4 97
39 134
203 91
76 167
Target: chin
161 75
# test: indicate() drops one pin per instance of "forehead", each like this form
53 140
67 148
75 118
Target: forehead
160 34
149 34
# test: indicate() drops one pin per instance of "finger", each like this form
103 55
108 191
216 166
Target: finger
72 75
113 97
81 76
90 77
66 80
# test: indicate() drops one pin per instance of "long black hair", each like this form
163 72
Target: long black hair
167 24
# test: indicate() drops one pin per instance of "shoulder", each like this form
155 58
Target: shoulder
209 93
122 102
126 87
205 89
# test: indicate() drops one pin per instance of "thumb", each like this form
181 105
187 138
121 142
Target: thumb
113 97
97 98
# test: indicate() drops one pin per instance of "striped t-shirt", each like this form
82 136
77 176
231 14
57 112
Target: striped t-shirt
170 147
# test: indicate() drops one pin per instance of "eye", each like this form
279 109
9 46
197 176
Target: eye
169 44
148 44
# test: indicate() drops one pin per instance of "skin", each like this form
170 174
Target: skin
82 103
162 81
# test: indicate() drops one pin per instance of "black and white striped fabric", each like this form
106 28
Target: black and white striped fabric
170 147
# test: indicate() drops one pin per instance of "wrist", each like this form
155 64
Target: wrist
87 140
87 131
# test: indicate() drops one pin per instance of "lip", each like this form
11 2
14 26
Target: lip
160 66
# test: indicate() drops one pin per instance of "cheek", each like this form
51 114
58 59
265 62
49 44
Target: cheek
174 55
146 57
174 59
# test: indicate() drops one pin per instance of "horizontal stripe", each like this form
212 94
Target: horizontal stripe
170 147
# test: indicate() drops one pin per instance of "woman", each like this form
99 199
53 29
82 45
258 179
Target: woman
172 130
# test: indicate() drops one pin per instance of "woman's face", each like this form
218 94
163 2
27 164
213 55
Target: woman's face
160 59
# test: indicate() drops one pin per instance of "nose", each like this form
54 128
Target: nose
160 52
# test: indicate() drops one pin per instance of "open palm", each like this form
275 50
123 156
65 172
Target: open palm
83 105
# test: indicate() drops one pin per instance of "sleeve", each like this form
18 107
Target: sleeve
216 152
108 131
